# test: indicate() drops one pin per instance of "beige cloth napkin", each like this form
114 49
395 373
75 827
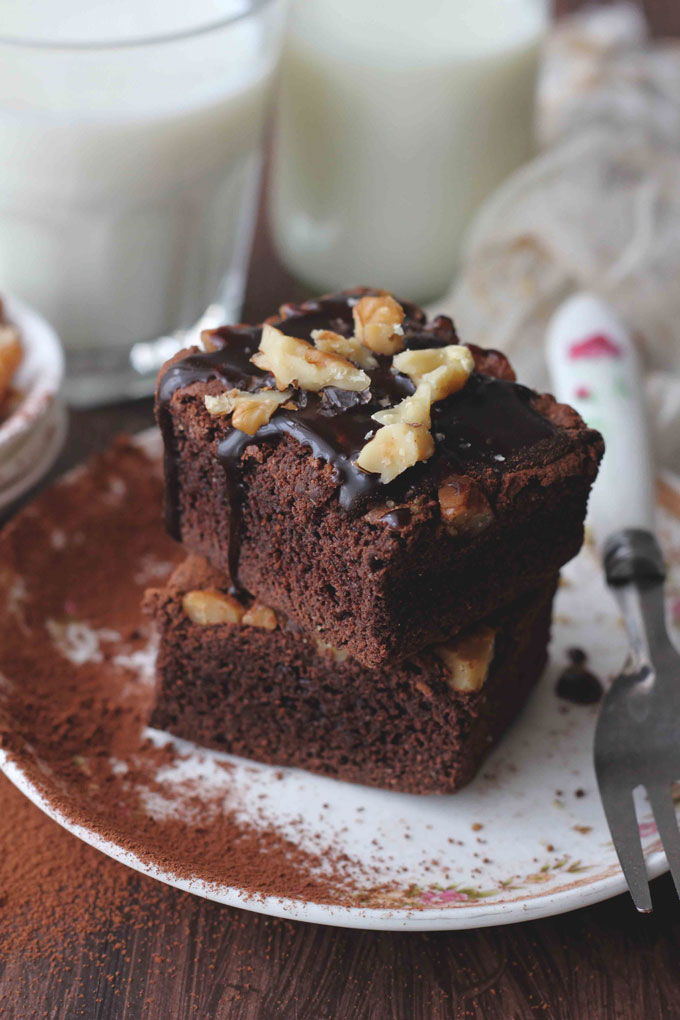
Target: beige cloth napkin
597 209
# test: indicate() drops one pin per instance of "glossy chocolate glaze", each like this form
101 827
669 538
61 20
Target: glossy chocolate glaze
398 518
488 421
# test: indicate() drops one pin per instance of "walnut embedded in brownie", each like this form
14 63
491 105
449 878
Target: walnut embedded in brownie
368 475
236 676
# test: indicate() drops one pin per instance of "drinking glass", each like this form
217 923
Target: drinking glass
131 136
395 121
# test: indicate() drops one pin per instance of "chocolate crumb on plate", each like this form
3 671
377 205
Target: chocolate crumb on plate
577 683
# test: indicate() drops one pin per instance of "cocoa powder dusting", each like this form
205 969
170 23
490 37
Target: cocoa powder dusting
76 685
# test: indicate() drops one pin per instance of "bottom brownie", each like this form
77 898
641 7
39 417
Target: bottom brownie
261 688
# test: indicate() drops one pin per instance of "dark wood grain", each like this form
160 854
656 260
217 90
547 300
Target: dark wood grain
197 959
194 959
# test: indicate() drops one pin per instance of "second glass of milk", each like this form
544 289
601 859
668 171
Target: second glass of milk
130 137
396 119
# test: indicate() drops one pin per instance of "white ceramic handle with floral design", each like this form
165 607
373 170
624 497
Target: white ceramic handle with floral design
595 367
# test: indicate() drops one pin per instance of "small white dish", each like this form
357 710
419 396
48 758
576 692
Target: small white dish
35 456
32 436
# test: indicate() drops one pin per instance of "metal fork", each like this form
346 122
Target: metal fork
637 740
594 366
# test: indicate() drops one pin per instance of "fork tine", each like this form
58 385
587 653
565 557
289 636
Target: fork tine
620 811
666 822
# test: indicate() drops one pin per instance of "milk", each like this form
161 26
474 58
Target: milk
396 119
128 173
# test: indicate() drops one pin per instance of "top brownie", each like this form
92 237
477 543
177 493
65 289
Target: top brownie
353 465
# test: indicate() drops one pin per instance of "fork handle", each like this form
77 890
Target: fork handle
635 572
632 554
594 366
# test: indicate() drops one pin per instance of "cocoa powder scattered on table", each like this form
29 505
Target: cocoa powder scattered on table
69 917
55 888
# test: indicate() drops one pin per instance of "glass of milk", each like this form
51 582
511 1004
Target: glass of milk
395 121
130 134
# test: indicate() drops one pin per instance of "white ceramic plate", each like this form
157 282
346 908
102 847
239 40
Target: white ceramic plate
525 840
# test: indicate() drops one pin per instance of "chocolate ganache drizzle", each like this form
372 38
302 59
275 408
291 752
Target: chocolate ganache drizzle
487 421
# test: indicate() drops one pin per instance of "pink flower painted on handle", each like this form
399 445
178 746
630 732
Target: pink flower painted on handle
599 345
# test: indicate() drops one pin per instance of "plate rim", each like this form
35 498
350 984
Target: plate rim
450 918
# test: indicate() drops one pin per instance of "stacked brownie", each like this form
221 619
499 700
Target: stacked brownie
376 516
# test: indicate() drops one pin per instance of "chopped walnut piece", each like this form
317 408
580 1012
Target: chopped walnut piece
395 448
207 341
378 323
259 616
445 369
465 510
345 346
11 354
209 607
249 410
413 410
404 438
295 362
337 654
468 659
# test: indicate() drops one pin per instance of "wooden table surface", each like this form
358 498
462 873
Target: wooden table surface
599 962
